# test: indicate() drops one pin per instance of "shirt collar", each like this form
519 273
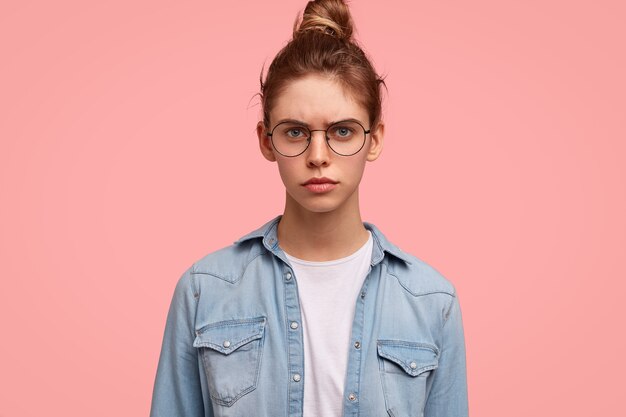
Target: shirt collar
269 233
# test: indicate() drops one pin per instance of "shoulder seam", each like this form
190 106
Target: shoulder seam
194 286
446 315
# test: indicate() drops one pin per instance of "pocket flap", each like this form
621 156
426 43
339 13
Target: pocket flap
413 357
226 336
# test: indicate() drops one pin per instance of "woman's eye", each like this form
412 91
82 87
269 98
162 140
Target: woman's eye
343 132
295 132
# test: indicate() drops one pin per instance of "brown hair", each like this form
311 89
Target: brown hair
322 44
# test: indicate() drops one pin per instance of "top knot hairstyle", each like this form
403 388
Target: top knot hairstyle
330 17
322 44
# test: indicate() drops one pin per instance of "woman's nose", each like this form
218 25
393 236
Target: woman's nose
318 153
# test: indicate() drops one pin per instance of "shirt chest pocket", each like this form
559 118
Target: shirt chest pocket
231 354
404 369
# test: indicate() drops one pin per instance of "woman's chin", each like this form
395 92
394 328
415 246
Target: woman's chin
319 203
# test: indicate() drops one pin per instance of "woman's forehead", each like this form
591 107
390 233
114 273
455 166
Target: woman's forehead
316 99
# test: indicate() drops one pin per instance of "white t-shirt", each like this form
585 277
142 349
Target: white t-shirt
328 291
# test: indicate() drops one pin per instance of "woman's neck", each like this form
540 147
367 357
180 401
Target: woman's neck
321 236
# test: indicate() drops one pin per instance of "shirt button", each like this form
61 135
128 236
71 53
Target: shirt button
296 377
413 365
226 343
363 294
357 344
294 325
352 396
288 276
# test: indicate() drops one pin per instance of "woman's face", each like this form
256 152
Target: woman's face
318 101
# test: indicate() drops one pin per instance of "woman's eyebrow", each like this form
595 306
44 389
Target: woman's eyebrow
351 119
300 122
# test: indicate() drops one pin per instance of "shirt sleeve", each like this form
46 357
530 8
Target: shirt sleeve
177 388
448 393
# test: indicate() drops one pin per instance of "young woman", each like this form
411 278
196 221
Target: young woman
315 313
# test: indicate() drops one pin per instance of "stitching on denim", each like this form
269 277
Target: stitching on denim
382 251
228 279
419 294
303 371
264 236
402 362
206 370
234 323
375 233
190 284
381 372
419 345
448 311
234 399
232 348
256 377
362 327
194 286
258 321
258 360
214 396
250 262
245 391
285 314
268 230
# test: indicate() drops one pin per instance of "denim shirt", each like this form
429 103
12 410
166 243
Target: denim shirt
232 346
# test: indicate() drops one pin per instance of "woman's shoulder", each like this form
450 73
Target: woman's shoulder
228 263
414 274
421 278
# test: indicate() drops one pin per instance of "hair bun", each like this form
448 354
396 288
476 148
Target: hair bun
328 16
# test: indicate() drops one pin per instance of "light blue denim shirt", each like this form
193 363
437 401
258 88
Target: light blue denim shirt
231 347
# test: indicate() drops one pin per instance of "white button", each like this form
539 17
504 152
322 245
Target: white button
288 276
296 377
294 325
413 365
352 397
226 343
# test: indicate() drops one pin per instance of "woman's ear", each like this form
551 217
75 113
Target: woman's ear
376 142
265 145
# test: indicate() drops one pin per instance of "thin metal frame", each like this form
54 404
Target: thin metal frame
365 133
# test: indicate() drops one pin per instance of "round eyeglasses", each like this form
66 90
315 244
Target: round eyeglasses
291 138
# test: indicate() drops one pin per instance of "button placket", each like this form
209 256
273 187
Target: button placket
295 345
355 356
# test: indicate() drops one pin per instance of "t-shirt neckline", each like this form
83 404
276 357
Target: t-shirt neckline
332 261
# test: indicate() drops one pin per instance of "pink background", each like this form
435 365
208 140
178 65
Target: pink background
127 152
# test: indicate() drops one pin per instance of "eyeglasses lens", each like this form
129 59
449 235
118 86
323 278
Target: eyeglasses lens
345 138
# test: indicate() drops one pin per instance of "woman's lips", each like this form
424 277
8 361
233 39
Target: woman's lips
320 188
320 184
